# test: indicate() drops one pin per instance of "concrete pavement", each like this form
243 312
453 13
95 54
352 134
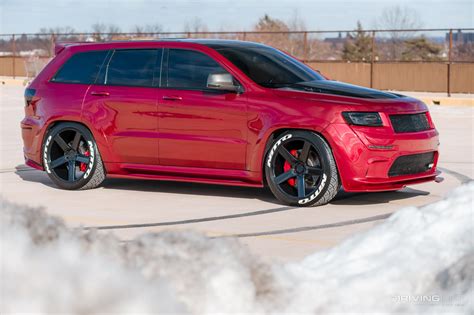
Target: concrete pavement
268 228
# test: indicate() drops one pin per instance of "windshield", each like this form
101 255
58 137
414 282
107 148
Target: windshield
267 66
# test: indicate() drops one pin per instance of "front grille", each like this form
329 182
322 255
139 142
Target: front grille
412 164
410 122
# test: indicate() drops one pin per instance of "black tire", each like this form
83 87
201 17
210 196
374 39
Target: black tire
71 157
301 159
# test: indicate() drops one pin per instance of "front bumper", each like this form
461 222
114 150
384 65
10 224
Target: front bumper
364 156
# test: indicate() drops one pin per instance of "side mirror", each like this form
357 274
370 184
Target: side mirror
222 81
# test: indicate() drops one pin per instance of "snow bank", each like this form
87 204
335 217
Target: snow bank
420 260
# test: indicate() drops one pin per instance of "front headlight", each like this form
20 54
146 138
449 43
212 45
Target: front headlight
371 119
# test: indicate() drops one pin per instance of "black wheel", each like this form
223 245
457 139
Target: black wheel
300 169
71 158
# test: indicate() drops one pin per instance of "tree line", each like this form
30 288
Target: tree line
353 46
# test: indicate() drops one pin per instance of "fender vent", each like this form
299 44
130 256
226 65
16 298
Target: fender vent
412 164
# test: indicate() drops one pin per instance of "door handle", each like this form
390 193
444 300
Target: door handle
172 98
100 93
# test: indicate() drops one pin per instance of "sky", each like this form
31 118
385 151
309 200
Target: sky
28 16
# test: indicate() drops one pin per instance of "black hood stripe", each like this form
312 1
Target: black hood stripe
344 89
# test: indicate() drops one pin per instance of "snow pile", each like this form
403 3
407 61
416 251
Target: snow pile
419 260
49 268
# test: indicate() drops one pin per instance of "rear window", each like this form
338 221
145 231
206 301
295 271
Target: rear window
134 67
81 68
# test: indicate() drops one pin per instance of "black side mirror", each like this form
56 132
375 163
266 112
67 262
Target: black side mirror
222 81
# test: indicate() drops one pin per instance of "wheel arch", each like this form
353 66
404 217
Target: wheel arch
278 132
100 139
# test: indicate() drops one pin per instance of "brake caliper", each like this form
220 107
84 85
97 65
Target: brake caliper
83 166
287 167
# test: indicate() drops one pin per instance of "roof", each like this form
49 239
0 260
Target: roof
205 42
211 43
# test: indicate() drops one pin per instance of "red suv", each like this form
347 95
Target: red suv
220 112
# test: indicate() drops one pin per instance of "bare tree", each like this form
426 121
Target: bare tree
196 25
296 44
398 18
153 28
113 31
141 30
138 29
296 22
50 35
99 30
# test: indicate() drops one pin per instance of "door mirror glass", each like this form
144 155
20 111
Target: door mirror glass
222 81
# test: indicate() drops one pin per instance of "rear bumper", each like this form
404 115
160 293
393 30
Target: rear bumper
364 156
32 132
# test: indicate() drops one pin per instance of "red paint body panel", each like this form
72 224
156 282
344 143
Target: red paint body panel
127 117
219 138
203 129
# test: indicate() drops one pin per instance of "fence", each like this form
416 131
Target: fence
434 60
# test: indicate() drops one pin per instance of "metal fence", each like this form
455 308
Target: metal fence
335 52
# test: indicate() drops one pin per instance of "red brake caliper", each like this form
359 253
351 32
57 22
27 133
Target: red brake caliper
287 167
83 166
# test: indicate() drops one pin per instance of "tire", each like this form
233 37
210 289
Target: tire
301 159
71 157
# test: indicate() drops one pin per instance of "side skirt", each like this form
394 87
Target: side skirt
185 174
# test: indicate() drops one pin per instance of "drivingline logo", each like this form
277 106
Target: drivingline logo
316 193
274 148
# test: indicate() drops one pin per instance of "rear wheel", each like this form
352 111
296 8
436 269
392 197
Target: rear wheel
300 169
71 158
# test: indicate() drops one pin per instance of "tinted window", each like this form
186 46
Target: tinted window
267 66
81 68
134 67
190 69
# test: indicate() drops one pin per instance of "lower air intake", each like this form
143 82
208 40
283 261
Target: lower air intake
412 164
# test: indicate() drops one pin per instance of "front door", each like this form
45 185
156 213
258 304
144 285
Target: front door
199 127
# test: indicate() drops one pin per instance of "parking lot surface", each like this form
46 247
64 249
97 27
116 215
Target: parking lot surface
274 231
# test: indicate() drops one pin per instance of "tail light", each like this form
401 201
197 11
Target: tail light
29 96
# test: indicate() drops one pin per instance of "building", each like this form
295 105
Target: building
461 38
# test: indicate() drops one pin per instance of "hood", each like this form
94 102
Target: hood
343 89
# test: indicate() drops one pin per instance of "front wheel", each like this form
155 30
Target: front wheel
71 158
300 169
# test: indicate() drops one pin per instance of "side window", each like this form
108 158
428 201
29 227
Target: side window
81 68
188 69
137 67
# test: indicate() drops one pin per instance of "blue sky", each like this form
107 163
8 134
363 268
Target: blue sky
25 16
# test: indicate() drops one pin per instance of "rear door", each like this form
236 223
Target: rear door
123 104
199 127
